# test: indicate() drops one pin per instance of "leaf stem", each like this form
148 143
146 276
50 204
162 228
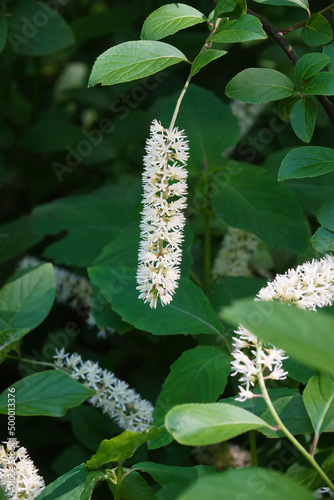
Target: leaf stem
253 448
119 481
32 361
302 23
279 38
282 427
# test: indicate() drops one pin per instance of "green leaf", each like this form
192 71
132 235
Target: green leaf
323 240
307 161
256 85
318 398
132 60
256 199
166 474
224 291
37 29
90 222
224 6
244 29
49 393
133 487
205 58
320 84
169 19
120 447
251 483
3 31
308 65
8 338
189 313
307 476
302 117
203 424
16 237
290 3
326 215
199 375
28 297
329 51
272 322
210 126
77 484
317 31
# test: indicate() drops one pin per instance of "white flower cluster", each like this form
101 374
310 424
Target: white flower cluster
113 396
165 187
237 249
259 359
72 290
309 286
18 475
319 493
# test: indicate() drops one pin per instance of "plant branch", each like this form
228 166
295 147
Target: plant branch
302 23
279 38
282 427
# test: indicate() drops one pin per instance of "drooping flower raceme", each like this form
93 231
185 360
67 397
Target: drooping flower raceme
112 395
165 187
309 286
236 251
18 475
73 290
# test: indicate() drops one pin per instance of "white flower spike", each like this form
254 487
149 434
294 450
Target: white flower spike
162 223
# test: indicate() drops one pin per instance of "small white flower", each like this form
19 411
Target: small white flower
160 249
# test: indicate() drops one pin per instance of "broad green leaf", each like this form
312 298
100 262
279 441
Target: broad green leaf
189 313
28 297
37 29
297 370
256 85
120 447
329 51
224 6
3 32
318 398
199 375
291 3
272 322
8 338
308 65
257 207
165 474
305 475
251 483
205 58
99 24
91 223
51 135
210 126
204 424
16 237
49 393
326 215
323 240
229 288
302 117
307 161
132 60
320 84
169 19
243 29
133 487
317 31
77 484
